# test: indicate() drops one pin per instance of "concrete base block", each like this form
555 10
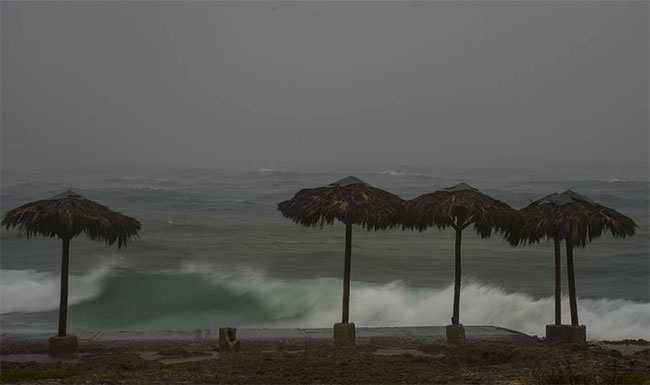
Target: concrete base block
455 334
63 346
228 341
344 335
566 334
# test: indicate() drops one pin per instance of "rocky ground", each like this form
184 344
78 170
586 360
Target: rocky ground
522 360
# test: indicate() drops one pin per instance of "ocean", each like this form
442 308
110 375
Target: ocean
215 251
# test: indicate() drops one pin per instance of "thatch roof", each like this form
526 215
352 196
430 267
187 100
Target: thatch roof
69 214
571 217
350 200
440 209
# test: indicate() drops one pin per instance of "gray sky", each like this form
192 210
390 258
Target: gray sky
283 84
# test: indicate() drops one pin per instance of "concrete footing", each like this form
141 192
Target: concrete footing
566 334
455 334
228 341
344 335
65 346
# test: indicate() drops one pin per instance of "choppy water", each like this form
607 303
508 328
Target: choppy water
214 250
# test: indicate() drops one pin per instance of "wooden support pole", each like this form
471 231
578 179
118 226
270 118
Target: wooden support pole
455 319
572 284
346 274
558 282
63 304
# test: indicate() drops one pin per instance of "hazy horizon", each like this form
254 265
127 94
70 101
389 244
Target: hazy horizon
552 88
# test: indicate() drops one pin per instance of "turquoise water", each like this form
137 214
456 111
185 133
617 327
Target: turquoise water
214 250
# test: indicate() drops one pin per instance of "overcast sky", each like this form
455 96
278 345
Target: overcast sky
293 85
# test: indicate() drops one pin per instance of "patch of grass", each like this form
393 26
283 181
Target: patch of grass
571 376
614 377
563 376
18 375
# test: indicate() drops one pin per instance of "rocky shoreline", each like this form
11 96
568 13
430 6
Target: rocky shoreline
512 360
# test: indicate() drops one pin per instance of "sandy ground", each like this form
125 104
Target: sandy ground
513 360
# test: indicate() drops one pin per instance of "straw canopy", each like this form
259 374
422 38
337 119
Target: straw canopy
353 202
65 216
69 214
576 220
458 207
571 217
440 208
350 200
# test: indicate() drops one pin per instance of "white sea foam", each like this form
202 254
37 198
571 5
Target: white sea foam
395 304
33 291
317 302
391 172
272 170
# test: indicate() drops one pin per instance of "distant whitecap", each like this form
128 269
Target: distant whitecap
391 172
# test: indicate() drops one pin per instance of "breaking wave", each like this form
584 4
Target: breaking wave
206 297
391 172
33 291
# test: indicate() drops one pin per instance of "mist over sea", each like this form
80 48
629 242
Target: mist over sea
215 251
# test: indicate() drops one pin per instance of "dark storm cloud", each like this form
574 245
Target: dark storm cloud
287 84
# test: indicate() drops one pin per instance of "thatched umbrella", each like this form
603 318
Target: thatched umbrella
65 216
458 207
576 220
351 201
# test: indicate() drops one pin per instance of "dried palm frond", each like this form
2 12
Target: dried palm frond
68 215
571 217
349 200
443 208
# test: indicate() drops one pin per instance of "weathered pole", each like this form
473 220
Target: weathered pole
558 282
63 304
572 284
455 319
346 274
